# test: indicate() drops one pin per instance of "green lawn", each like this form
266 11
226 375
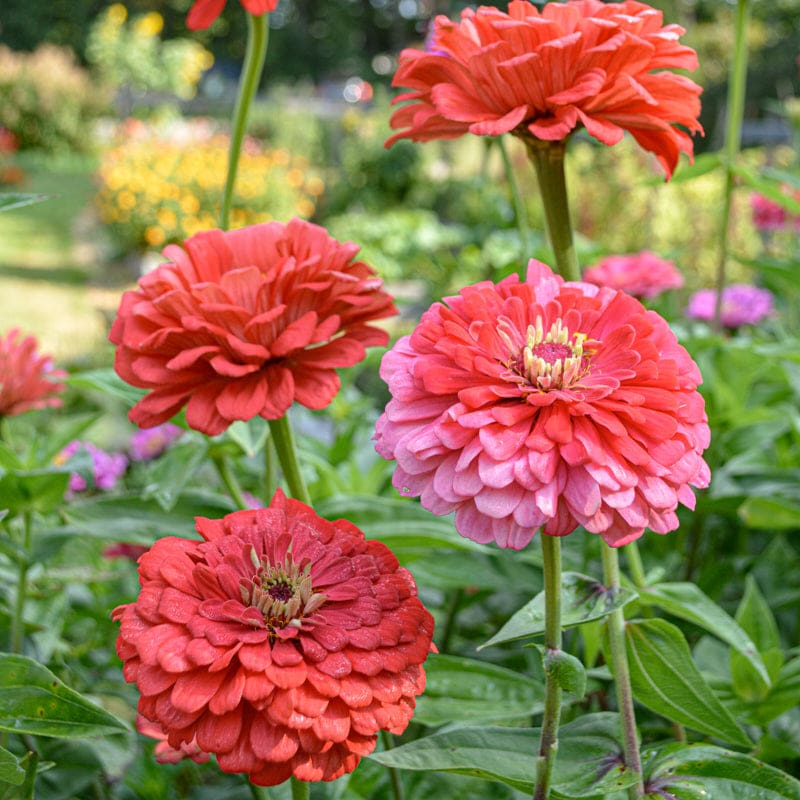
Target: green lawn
48 264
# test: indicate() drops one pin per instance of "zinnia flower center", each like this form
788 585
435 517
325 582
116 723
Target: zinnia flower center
283 593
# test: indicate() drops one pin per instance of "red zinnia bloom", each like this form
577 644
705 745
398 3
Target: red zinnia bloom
644 275
204 12
27 379
542 74
282 643
243 323
164 752
548 403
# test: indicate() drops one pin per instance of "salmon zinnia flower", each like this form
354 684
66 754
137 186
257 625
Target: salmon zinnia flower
542 74
27 379
545 403
282 643
243 323
644 275
204 12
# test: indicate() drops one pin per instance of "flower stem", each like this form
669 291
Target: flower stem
223 466
394 774
287 456
269 470
18 620
257 39
301 790
548 159
737 85
548 742
636 568
622 679
520 212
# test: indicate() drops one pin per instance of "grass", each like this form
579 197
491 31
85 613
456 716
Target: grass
46 272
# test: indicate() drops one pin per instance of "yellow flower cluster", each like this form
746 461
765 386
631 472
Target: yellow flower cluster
155 190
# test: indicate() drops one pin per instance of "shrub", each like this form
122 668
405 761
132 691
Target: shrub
46 100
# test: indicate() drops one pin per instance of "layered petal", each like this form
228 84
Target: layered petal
27 379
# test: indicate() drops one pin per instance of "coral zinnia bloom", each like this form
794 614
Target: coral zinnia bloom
243 323
542 74
204 12
27 379
282 643
644 275
545 403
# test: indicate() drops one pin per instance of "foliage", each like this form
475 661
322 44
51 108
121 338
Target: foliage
47 101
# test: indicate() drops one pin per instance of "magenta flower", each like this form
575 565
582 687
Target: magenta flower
149 443
742 304
107 468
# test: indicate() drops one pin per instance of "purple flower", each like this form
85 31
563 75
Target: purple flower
107 468
742 304
149 443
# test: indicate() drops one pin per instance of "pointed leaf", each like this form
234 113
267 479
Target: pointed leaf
24 790
167 476
10 770
466 690
665 679
107 382
582 599
9 200
34 701
250 435
33 490
687 601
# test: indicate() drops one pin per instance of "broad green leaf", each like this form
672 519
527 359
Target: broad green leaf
466 690
665 679
582 599
168 475
589 761
9 200
770 513
107 382
33 490
250 436
34 701
687 601
10 770
569 672
733 776
29 763
703 164
784 694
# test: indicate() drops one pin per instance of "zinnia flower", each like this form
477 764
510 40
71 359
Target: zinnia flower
27 379
742 304
107 468
644 275
243 323
164 752
769 216
150 443
204 12
282 643
545 403
542 74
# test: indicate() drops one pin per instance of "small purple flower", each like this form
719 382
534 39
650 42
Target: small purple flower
742 304
149 443
107 468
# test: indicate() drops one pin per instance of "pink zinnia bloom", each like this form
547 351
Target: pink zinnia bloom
27 379
545 403
644 275
543 74
243 323
742 304
282 643
204 12
164 752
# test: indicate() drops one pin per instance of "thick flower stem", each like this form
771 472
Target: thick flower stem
548 159
737 85
226 474
301 790
394 774
520 212
548 742
287 457
636 568
619 666
18 620
269 470
257 38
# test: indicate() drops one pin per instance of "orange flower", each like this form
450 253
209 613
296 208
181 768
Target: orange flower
282 643
542 74
204 12
27 379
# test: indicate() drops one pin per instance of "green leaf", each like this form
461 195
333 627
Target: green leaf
168 475
250 436
10 770
784 694
770 513
33 490
24 790
9 200
733 776
703 164
687 601
107 382
665 679
588 764
582 599
768 187
466 690
61 433
34 701
569 672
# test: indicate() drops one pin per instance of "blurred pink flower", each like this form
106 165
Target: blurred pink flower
742 304
149 443
27 379
107 468
644 275
769 216
545 403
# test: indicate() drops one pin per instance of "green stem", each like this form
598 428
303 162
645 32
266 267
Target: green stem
637 572
622 678
520 211
548 741
18 620
737 85
257 39
456 596
548 159
223 466
301 790
287 456
394 774
270 479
